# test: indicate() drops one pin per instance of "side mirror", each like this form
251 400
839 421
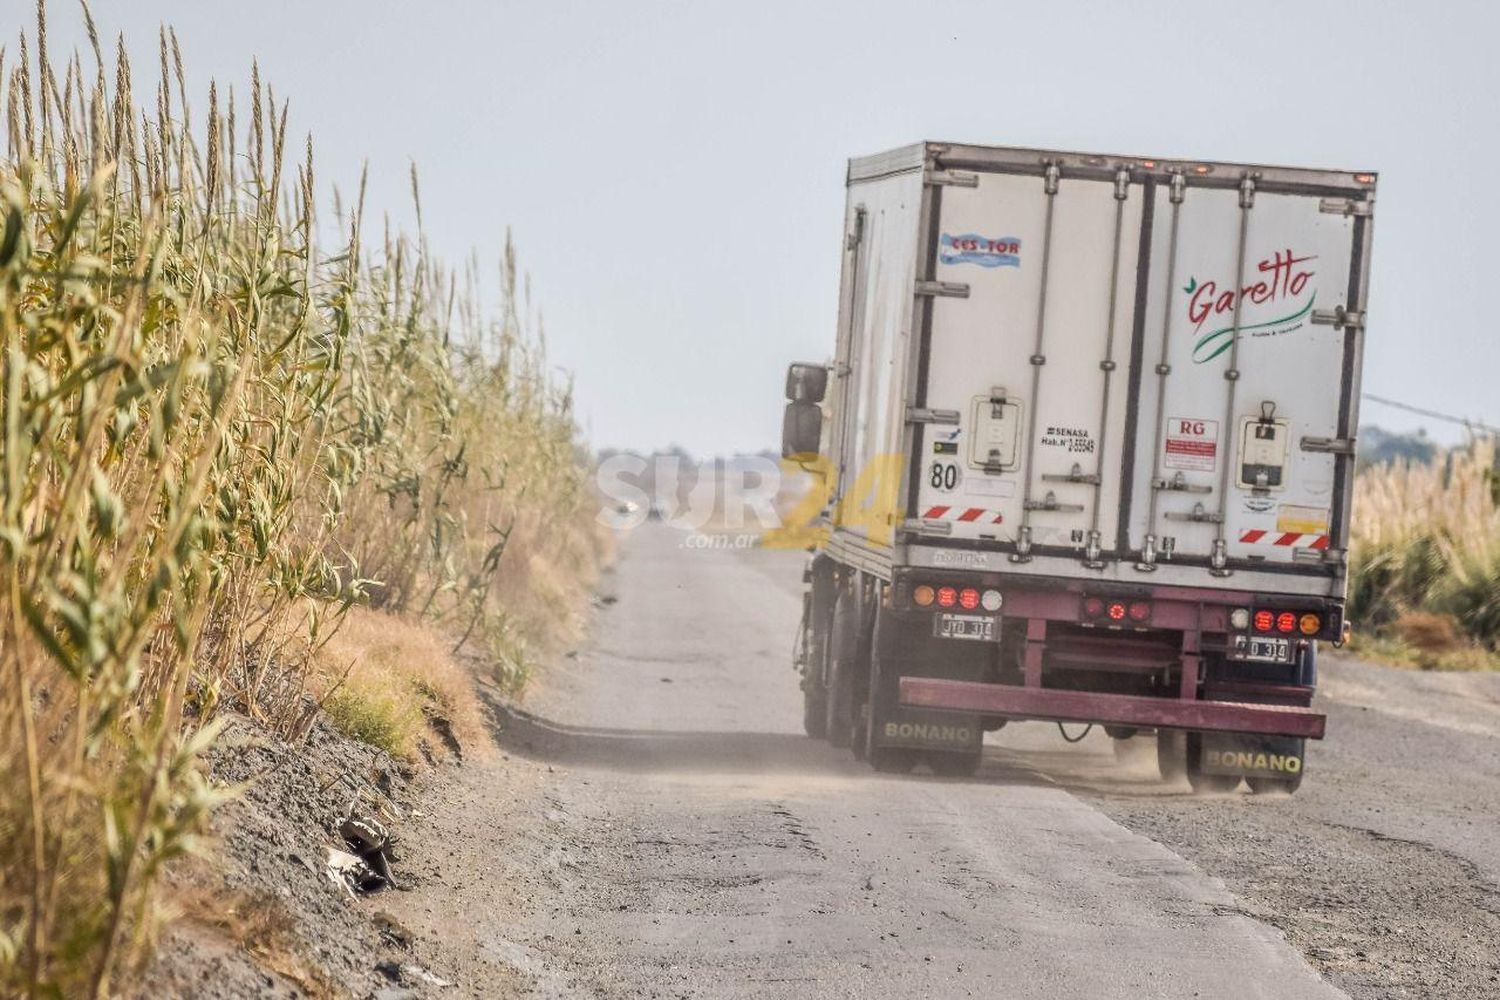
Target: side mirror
806 381
801 428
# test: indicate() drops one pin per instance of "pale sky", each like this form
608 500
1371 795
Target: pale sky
673 172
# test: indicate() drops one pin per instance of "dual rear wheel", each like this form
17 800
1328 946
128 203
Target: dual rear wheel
881 707
849 691
1180 755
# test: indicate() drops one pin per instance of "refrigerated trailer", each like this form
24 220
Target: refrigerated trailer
1087 449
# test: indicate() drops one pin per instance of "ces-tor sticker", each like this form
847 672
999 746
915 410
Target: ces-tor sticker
971 248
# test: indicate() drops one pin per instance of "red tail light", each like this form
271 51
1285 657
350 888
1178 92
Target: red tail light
968 598
1117 611
947 597
1139 611
1286 621
1093 607
1264 621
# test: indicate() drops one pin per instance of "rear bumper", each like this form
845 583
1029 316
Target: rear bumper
1016 702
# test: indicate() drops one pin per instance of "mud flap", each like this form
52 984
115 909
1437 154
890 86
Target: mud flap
1249 756
921 730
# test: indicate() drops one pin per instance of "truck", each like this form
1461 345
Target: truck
1084 454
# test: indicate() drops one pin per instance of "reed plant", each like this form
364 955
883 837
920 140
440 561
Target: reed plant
216 438
1424 557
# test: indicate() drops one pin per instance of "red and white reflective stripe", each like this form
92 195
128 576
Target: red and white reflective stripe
1313 540
943 512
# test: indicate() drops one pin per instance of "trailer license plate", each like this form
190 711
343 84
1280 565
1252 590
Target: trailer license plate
1267 649
980 627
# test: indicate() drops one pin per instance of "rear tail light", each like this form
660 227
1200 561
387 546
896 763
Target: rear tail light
1270 622
1113 612
925 595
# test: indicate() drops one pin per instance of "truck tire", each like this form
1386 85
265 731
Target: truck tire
1204 783
814 694
954 765
1261 786
817 623
1171 754
847 659
814 710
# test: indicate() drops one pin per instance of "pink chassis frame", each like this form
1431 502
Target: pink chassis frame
1189 610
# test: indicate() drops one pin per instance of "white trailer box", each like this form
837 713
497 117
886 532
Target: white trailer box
1111 367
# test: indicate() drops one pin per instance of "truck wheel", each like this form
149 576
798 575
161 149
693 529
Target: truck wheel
845 662
892 760
1171 754
1260 786
816 616
814 708
1202 782
954 765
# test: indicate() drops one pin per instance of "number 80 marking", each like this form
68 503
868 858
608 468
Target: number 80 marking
944 476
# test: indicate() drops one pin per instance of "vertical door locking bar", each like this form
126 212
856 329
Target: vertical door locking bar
1218 561
1176 191
1050 178
1093 547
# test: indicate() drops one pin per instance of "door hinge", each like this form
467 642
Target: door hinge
924 415
1179 484
935 529
1198 514
1339 318
1077 475
948 289
1346 207
950 178
1332 446
1050 502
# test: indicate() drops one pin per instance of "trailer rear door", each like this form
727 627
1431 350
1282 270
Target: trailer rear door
1085 397
1034 362
1237 449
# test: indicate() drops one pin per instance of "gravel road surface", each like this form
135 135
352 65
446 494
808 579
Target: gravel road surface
660 827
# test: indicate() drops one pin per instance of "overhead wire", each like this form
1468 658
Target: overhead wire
1434 414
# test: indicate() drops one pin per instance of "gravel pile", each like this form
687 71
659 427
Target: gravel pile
309 935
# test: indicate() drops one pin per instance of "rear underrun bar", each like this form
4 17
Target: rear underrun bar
1017 702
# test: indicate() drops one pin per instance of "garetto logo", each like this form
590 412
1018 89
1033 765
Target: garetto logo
971 248
1285 287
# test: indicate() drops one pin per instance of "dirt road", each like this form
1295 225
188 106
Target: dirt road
660 827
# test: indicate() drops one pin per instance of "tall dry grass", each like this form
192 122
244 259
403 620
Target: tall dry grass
217 439
1426 542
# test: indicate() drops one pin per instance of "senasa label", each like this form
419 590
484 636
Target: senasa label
1284 289
971 248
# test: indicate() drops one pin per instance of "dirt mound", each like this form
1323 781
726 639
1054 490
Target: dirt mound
268 920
